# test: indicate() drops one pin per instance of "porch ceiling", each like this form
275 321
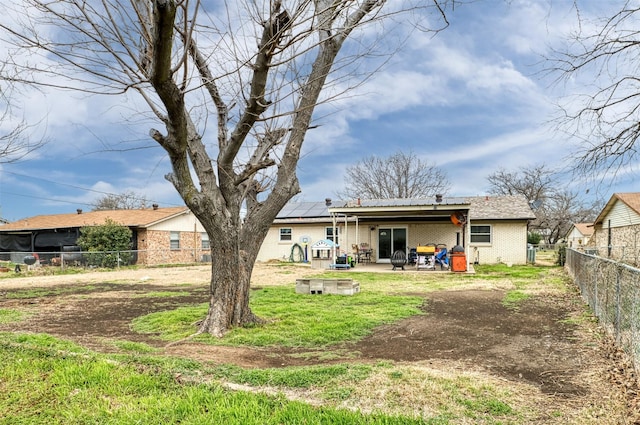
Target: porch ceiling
409 211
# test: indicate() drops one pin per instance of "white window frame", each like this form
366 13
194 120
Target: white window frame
489 234
328 234
205 242
284 235
174 240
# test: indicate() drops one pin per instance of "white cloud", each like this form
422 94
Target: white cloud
473 87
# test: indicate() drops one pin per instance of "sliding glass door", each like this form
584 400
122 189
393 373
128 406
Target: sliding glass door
391 239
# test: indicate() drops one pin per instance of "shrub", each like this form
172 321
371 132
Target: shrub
562 255
534 238
104 244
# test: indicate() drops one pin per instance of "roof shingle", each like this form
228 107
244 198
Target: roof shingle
503 207
130 218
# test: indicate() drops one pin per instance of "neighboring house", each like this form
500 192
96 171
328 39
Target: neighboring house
160 235
579 235
492 228
617 228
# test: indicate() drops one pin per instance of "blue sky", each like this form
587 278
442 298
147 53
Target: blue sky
471 100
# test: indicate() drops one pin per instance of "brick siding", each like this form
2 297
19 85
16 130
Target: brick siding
155 247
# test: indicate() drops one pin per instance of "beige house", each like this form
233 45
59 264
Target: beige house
617 228
159 235
492 229
579 235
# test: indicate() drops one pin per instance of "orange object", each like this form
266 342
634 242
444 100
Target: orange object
458 262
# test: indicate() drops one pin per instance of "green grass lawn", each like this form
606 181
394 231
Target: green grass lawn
292 320
45 380
49 381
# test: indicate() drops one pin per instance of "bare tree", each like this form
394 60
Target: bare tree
556 208
15 137
121 201
561 209
605 115
534 182
259 66
401 175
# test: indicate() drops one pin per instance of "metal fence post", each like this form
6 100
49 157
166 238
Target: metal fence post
595 294
634 321
595 277
618 301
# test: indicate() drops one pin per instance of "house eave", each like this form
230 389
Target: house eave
442 210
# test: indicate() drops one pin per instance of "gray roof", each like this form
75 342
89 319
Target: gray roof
481 207
501 207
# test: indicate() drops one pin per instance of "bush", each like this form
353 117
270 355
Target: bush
534 238
103 245
562 255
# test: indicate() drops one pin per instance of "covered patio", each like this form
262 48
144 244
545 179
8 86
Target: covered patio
388 268
384 227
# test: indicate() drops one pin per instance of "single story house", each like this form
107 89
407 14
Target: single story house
616 230
160 235
579 235
492 229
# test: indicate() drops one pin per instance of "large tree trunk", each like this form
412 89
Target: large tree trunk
234 249
230 286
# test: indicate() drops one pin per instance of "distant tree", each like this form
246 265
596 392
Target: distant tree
534 183
106 245
605 111
401 175
555 208
123 201
559 211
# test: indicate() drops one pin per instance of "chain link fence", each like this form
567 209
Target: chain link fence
103 259
612 290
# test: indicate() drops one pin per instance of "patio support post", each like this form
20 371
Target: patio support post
357 233
466 238
346 234
333 248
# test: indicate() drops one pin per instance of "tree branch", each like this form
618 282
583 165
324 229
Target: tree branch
273 31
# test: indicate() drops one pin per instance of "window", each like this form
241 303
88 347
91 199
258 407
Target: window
329 234
205 240
285 234
481 234
174 240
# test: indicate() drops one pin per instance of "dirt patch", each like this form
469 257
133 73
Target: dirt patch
94 314
532 344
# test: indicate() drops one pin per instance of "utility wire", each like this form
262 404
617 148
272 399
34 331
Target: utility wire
67 185
47 199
